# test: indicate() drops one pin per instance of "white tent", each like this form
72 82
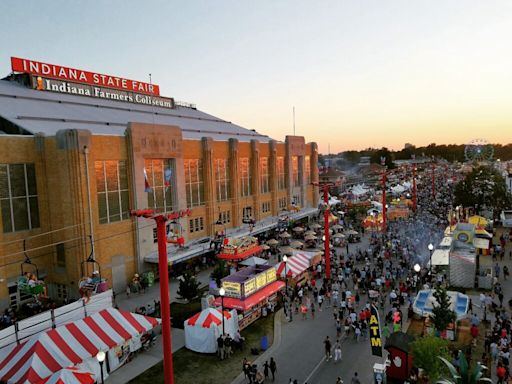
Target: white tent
203 329
254 261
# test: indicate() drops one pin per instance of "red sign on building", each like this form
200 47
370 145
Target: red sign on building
79 76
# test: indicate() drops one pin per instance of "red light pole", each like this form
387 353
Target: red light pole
165 306
327 249
384 208
414 197
433 181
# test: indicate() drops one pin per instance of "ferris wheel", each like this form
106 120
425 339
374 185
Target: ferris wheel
479 150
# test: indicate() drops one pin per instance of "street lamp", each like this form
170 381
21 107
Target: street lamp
100 356
285 259
430 248
222 292
417 267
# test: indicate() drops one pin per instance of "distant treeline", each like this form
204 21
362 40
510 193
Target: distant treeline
449 152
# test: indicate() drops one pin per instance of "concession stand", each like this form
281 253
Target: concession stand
298 265
235 250
249 290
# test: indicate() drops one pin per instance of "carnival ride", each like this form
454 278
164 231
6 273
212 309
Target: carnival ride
478 150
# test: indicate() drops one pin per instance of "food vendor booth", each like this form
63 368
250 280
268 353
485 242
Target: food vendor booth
235 250
297 266
249 290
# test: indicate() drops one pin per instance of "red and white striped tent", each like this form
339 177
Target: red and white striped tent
295 265
69 376
68 345
203 329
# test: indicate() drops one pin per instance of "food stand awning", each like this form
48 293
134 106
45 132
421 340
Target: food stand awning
441 257
68 345
295 265
242 255
252 300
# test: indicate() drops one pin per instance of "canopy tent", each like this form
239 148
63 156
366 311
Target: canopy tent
203 329
252 300
478 221
254 261
70 376
68 345
298 263
425 302
240 255
441 257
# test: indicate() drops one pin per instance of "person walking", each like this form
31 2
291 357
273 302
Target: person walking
355 379
273 368
266 368
337 351
327 347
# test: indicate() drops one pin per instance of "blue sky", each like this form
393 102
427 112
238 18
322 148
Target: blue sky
359 73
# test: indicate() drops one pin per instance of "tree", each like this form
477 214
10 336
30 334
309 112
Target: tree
483 187
383 153
423 356
188 288
463 375
219 272
442 315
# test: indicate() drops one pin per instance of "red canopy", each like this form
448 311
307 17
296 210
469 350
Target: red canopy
251 301
242 255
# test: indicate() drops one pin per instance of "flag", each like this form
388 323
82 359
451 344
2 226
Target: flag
147 187
167 177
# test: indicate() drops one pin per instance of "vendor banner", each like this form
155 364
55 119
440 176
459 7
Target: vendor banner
375 338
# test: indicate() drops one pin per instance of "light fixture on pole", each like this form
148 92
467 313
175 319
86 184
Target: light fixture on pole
430 248
417 268
222 292
289 310
100 356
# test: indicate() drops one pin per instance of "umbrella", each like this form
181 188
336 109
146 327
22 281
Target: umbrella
296 244
286 250
272 242
310 237
338 235
316 226
285 235
298 229
69 376
265 247
336 227
352 232
310 233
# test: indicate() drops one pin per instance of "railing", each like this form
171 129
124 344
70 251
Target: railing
24 329
184 104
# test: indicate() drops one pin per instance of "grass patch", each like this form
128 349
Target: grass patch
199 368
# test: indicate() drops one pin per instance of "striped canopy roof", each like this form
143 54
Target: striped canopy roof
68 345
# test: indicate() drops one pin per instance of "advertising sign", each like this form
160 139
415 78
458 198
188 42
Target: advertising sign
232 289
375 339
249 286
79 76
271 275
261 280
481 243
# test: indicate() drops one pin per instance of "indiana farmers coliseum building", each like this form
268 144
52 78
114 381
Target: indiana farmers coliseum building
78 150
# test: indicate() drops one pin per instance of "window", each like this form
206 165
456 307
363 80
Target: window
225 217
194 182
264 176
196 224
62 292
282 203
246 214
265 207
307 170
245 176
61 255
281 180
297 201
18 197
112 190
222 180
160 177
295 171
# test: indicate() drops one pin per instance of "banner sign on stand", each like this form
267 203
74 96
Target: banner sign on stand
375 339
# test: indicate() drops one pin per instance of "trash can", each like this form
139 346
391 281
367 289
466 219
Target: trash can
264 343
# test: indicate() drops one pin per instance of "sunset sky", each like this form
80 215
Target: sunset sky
359 73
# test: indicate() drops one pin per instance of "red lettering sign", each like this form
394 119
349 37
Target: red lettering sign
79 76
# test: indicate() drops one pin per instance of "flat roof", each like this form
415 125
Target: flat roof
48 112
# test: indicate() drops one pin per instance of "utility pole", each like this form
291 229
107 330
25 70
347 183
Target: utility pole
414 196
384 208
